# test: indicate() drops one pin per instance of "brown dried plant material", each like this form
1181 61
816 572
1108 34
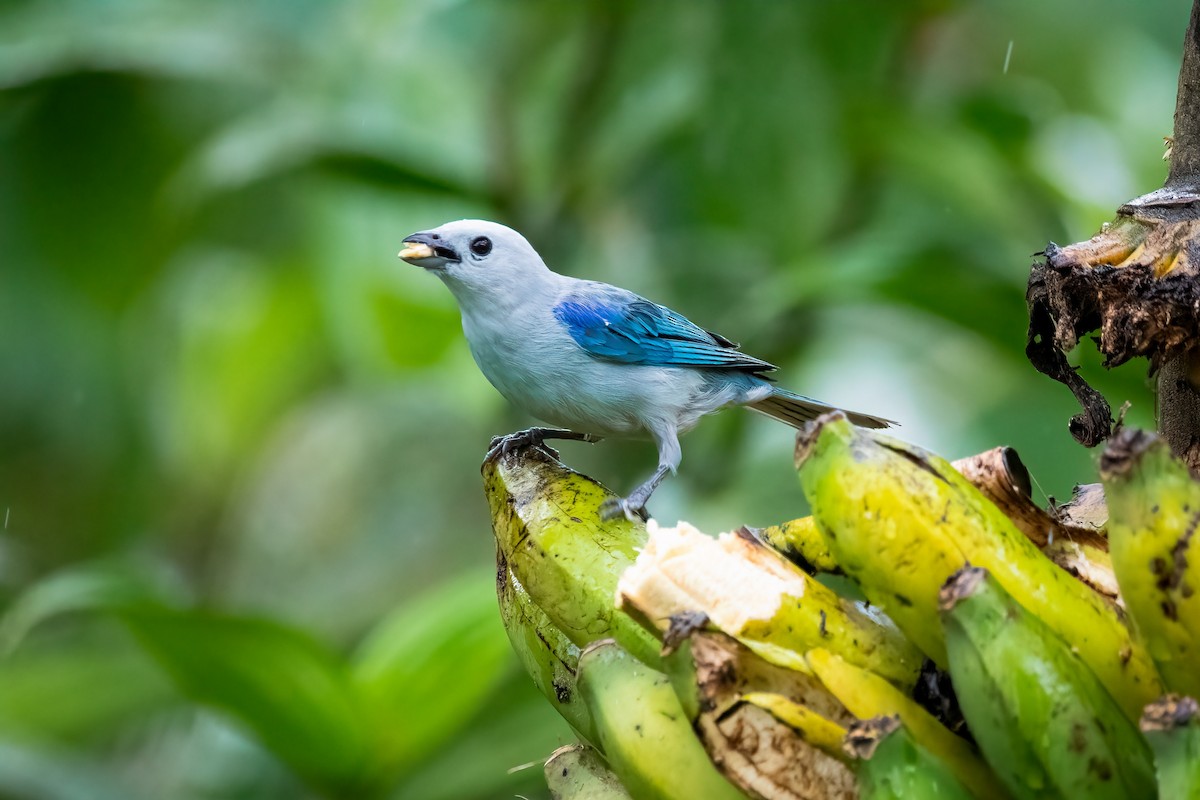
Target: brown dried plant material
1003 478
760 754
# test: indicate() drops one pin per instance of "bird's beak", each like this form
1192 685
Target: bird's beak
426 250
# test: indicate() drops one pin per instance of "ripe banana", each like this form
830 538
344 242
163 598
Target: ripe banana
646 736
1172 726
867 695
577 772
1042 719
1154 510
716 679
548 530
752 593
900 521
802 544
545 652
890 765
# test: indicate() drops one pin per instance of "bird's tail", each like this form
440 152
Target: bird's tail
795 410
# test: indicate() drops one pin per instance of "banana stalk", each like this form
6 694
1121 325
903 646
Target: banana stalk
577 772
546 519
900 521
890 765
716 678
646 736
1042 719
755 595
1172 726
545 652
1154 507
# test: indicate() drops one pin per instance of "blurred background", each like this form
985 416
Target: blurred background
240 440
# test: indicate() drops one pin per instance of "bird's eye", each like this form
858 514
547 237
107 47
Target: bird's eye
481 245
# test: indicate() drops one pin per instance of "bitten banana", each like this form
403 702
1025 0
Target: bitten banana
1172 726
548 530
577 772
752 593
646 736
545 652
890 765
1154 511
1042 719
900 521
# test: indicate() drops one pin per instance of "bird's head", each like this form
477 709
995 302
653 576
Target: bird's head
475 255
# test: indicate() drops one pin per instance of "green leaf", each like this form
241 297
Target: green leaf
285 687
428 667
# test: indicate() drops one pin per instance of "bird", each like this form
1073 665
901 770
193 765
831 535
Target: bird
593 359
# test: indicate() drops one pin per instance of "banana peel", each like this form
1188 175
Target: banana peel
764 601
716 679
549 534
900 521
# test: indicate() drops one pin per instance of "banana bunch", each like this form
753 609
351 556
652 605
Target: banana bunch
1002 651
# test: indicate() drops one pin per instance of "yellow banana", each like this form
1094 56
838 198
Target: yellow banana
802 543
577 772
900 521
755 595
867 695
548 530
1154 510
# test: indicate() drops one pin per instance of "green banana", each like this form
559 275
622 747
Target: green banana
1154 510
646 736
890 765
801 542
545 652
1172 726
900 521
717 680
577 772
1042 719
546 519
752 593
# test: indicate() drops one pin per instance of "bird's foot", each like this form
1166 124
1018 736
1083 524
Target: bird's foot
532 437
628 507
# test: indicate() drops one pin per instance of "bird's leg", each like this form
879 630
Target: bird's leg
633 507
503 445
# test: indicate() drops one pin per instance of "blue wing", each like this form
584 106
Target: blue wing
620 326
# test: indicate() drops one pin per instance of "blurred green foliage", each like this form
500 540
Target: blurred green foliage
243 439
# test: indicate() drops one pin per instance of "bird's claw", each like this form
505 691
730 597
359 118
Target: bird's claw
503 445
617 507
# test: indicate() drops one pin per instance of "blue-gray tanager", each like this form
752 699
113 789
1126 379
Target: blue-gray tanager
597 360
